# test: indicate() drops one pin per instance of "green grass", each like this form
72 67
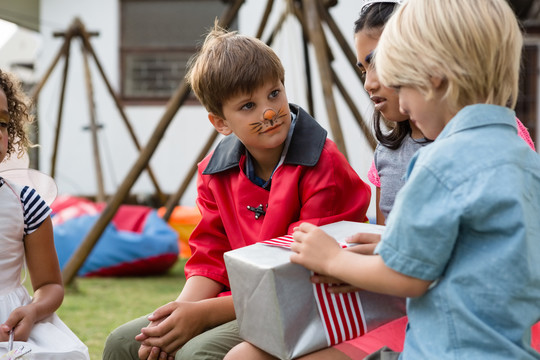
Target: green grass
93 307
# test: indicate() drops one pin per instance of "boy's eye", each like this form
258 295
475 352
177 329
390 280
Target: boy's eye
274 93
248 106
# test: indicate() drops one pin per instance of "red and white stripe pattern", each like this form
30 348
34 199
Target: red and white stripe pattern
341 314
281 241
285 241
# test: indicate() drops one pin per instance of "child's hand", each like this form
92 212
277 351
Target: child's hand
22 320
4 332
365 243
313 248
181 321
337 287
155 322
151 352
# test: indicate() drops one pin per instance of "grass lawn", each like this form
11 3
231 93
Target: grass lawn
93 307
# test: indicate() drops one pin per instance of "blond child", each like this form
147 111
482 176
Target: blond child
461 240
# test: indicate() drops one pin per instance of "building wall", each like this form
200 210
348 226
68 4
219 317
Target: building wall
75 173
18 51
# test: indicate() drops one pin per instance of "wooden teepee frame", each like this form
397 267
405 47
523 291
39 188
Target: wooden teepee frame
78 30
310 14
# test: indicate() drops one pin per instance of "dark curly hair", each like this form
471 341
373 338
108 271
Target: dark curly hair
19 115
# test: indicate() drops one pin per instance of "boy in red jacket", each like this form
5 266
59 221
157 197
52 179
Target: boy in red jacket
274 169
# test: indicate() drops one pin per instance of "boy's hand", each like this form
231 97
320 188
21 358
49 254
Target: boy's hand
180 321
313 248
364 243
151 352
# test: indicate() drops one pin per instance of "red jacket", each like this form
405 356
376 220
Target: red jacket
314 184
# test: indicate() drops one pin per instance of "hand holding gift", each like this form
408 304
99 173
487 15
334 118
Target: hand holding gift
314 249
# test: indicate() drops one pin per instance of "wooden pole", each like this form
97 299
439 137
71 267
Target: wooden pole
60 110
93 127
307 57
264 20
277 28
316 35
34 93
307 64
351 57
76 261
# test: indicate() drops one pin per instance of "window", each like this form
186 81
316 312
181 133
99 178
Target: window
157 39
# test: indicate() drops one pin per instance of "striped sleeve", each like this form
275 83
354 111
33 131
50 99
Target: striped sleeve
35 209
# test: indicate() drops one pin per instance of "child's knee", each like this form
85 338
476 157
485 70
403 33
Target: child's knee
213 344
116 347
121 345
196 349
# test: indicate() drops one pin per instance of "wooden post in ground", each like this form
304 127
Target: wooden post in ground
94 127
61 108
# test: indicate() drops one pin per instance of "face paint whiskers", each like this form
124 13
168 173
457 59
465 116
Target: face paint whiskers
270 120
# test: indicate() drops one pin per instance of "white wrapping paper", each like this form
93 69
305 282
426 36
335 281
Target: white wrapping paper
275 303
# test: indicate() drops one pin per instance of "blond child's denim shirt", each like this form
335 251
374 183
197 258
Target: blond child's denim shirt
468 218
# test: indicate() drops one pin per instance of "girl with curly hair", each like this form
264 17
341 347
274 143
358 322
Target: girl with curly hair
28 323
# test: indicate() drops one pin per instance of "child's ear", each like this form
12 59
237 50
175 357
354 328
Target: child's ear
220 124
437 82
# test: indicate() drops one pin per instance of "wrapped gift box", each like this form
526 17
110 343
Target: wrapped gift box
275 303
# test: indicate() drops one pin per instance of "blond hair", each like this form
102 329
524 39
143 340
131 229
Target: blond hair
473 45
229 64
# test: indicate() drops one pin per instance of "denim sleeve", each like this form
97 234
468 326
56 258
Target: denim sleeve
422 227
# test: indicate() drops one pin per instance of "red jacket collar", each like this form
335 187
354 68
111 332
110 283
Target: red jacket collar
305 149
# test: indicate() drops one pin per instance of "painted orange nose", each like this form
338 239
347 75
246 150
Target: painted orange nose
269 114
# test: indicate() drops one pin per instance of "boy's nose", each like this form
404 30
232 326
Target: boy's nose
269 114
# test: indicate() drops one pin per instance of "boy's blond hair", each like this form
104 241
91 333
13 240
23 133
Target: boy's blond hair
473 45
229 64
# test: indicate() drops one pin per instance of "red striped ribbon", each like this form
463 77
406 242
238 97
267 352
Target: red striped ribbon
285 241
282 241
341 314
